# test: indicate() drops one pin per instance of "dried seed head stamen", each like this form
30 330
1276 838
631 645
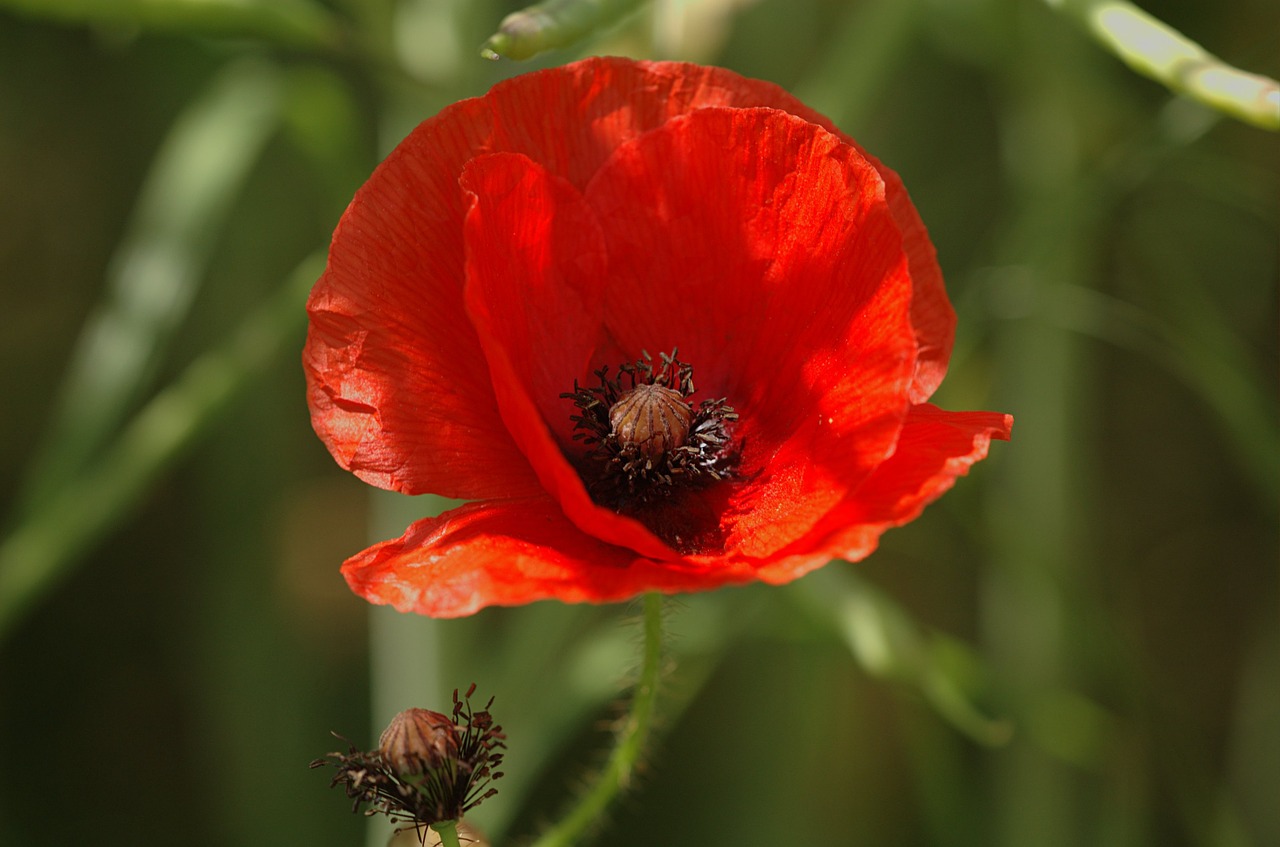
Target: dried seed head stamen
428 767
418 740
647 439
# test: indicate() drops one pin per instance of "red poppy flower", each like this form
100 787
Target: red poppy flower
523 268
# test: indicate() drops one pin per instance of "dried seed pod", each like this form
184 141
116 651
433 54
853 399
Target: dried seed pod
654 418
418 740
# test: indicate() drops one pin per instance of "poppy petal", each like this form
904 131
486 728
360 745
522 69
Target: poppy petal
935 448
399 245
932 317
397 383
572 118
536 268
535 262
510 553
762 247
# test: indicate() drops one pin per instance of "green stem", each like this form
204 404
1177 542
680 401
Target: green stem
617 772
448 832
1157 50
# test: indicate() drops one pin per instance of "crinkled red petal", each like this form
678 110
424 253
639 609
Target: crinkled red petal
935 448
515 552
536 280
570 119
762 246
396 384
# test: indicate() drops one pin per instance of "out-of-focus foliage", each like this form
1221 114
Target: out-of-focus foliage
1077 646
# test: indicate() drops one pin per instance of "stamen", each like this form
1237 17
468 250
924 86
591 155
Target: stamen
648 441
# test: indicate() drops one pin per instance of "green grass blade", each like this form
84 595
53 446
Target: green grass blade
43 548
157 270
1156 50
888 644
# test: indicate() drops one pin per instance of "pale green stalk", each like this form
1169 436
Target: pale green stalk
1157 50
405 652
448 832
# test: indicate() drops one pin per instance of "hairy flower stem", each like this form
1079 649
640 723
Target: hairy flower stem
448 832
616 774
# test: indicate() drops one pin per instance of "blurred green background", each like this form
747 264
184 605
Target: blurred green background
1078 646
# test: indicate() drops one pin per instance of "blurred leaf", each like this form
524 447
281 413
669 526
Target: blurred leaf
1201 351
1069 726
298 23
323 120
1156 50
889 644
158 267
553 24
1209 356
41 549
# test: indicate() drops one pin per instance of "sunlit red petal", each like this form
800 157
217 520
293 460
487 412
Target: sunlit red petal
511 553
516 552
570 119
763 248
931 314
397 383
536 279
387 317
935 448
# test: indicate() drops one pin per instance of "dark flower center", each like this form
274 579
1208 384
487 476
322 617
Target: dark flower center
647 440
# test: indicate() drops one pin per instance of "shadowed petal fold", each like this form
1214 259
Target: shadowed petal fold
535 292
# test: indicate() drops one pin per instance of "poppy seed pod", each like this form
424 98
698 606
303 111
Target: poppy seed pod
653 418
418 740
428 767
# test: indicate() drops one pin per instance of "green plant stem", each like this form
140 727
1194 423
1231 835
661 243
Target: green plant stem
617 772
448 832
158 268
42 548
1157 50
552 25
